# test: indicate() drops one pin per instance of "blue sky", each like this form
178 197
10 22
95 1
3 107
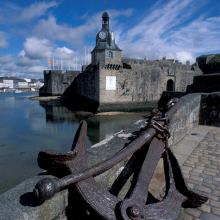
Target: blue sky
33 31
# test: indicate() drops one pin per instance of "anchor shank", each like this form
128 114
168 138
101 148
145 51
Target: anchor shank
56 185
109 163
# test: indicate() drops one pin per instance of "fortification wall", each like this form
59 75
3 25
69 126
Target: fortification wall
138 85
143 82
87 85
17 204
183 79
56 82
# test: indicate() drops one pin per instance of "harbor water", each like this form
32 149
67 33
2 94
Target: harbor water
28 126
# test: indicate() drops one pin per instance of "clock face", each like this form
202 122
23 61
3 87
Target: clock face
102 35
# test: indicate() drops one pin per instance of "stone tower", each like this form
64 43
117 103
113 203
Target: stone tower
106 50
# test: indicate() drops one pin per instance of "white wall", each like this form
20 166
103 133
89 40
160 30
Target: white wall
8 83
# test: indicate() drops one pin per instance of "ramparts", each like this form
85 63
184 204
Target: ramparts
56 82
135 81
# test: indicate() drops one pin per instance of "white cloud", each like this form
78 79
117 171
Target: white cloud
75 35
23 61
166 30
21 67
13 13
183 56
3 40
33 58
21 53
36 48
200 35
36 10
36 69
5 59
64 52
7 64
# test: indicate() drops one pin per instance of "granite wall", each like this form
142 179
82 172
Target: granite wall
185 117
56 82
134 81
144 82
87 85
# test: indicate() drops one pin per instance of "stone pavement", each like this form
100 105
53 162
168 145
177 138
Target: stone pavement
199 156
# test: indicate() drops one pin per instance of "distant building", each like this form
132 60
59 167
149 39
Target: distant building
8 83
15 83
27 80
22 84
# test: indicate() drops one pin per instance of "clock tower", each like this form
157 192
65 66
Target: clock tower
106 52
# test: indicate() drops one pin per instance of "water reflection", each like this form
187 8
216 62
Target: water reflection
27 127
99 126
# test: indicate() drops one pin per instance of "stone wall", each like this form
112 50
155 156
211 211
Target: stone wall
210 109
143 82
87 85
132 85
135 81
56 82
183 79
100 58
185 117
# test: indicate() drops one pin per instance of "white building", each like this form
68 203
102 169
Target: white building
8 83
2 85
27 80
22 85
39 84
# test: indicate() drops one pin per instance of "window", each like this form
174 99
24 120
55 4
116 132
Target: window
109 54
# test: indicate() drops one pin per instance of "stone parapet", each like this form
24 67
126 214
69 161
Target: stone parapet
185 118
17 203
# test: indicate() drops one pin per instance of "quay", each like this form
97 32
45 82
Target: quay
199 156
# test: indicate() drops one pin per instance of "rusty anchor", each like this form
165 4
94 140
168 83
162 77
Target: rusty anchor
145 151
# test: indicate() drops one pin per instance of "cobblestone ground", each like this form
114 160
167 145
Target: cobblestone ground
202 173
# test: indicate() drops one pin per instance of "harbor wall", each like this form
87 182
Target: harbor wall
185 118
56 82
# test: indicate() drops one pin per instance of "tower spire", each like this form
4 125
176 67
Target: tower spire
105 21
